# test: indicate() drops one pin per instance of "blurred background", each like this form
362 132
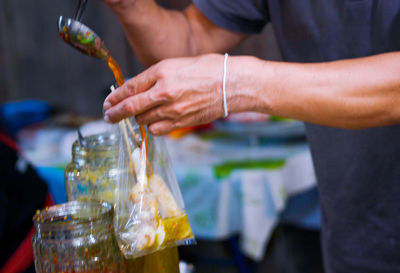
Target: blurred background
48 89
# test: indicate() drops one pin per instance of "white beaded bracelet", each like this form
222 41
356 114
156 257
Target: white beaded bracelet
223 87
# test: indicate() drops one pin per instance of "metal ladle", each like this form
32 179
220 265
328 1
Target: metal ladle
85 40
82 38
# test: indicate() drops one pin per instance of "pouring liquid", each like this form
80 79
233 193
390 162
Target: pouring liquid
120 79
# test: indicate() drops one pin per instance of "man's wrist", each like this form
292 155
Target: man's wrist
249 82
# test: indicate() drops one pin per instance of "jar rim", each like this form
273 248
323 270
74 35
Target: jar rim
100 142
74 211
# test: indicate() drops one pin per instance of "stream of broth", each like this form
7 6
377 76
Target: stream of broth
120 79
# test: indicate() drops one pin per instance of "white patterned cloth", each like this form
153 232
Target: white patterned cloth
230 188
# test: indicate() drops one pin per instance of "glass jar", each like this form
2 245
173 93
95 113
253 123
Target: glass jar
76 237
92 173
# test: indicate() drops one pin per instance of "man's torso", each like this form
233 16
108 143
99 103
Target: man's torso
358 171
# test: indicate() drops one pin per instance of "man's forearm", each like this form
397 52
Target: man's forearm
356 93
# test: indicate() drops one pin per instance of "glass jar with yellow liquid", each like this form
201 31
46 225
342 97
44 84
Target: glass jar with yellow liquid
92 175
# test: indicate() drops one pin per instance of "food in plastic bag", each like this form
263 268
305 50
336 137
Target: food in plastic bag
150 213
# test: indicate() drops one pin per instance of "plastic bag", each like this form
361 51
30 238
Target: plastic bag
150 213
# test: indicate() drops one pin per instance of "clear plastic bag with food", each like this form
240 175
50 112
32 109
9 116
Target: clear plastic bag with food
150 213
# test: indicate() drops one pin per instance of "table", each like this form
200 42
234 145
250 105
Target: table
230 187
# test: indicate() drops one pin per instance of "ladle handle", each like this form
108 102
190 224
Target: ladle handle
80 9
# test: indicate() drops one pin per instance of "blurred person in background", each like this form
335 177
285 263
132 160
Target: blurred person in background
341 73
22 192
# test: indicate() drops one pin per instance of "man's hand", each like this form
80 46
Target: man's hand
171 94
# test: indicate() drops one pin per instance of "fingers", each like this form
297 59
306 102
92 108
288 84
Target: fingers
135 85
165 126
170 111
132 106
161 127
165 118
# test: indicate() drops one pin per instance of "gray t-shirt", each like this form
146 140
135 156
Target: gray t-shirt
358 171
